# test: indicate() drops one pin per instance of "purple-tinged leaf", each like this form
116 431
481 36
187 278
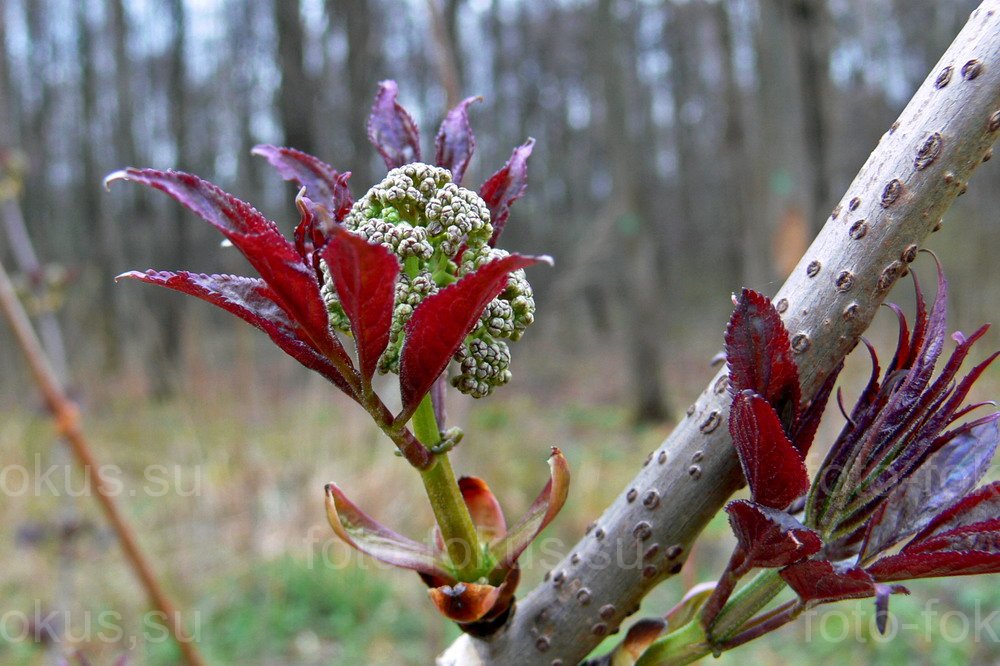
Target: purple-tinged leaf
455 141
364 275
839 457
976 507
465 602
872 389
882 594
965 411
291 279
819 581
902 355
927 343
951 473
484 508
759 353
539 514
505 187
251 300
772 466
920 325
908 566
391 128
769 538
311 231
808 422
441 322
983 536
360 531
324 185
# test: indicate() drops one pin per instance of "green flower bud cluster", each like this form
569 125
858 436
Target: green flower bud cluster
484 358
409 293
484 366
510 313
338 318
425 219
416 211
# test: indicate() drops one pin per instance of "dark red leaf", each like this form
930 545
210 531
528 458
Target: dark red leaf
251 300
324 185
951 473
364 275
455 141
809 420
976 507
391 128
291 279
312 230
769 538
506 186
773 468
907 566
541 512
441 322
484 508
926 346
818 581
903 339
360 531
983 536
759 353
920 325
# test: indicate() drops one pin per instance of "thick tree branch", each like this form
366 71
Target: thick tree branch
897 199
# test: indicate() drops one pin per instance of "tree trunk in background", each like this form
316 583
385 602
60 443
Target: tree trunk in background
296 94
809 21
8 130
176 235
681 44
734 157
642 335
243 73
443 24
118 221
124 134
781 184
106 244
35 134
364 69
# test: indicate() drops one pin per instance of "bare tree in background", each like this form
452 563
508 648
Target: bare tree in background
636 257
297 90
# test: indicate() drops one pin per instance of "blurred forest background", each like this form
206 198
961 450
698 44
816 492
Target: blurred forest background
685 149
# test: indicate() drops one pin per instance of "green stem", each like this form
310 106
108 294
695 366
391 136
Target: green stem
692 641
686 645
450 510
747 601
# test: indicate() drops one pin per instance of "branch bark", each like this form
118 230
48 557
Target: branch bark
897 199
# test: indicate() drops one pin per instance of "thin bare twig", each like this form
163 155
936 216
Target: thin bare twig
67 418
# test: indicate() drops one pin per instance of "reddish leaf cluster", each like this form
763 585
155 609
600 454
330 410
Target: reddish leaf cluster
285 301
904 466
